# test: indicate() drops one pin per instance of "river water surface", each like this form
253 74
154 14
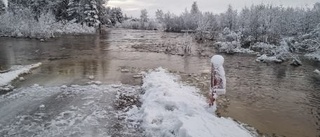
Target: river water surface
276 99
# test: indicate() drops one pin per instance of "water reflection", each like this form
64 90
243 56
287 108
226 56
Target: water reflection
4 64
274 98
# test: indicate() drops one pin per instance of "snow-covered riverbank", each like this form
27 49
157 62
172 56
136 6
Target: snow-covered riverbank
21 25
170 108
61 111
14 73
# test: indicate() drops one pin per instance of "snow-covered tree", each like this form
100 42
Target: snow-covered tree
195 9
207 27
91 13
105 15
2 7
193 17
230 18
159 15
189 21
118 15
144 18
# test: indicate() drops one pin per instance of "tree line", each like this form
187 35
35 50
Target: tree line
259 23
276 31
89 12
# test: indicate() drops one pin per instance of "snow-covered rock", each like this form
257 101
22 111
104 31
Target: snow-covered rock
42 107
137 76
94 83
91 77
172 109
125 70
265 58
317 71
21 78
64 87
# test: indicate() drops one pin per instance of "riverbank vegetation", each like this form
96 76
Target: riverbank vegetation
50 18
275 33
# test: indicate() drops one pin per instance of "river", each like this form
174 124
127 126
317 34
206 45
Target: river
276 99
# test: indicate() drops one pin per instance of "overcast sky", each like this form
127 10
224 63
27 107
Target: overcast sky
133 7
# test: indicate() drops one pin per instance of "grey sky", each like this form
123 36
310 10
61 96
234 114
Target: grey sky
133 7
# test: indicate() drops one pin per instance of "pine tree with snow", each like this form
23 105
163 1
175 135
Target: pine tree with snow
91 13
105 17
231 18
116 16
195 9
61 10
71 9
194 17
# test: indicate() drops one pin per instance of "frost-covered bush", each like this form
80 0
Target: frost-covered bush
263 48
314 55
207 27
229 42
129 24
229 36
277 53
282 52
23 24
75 28
310 42
135 24
227 47
232 47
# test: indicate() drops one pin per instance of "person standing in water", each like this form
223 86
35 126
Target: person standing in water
218 79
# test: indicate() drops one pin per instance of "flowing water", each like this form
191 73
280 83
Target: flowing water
276 99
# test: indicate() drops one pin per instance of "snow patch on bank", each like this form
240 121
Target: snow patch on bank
317 71
314 56
15 72
172 109
232 47
265 58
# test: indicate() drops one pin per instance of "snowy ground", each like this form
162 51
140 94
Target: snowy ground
172 109
14 73
62 111
161 107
